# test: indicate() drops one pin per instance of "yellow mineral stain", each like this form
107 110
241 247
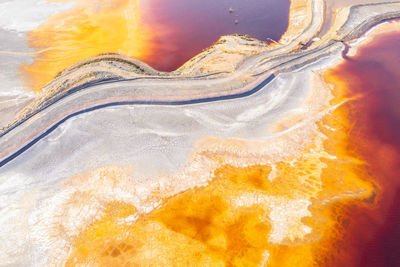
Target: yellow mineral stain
88 29
347 163
220 225
283 213
104 242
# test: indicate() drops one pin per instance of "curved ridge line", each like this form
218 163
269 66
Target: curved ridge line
144 102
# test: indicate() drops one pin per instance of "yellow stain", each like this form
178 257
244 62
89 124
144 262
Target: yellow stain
90 28
208 226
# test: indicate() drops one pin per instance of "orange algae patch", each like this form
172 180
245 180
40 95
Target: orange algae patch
104 242
289 212
198 227
286 213
347 172
230 221
90 28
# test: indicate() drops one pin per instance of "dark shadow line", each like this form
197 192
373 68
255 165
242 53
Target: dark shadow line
144 102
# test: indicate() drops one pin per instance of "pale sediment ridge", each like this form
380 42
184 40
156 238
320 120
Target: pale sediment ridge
353 21
386 27
128 81
223 58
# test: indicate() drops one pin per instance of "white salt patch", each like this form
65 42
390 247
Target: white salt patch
26 15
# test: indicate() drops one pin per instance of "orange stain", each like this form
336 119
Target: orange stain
373 73
229 222
104 241
90 28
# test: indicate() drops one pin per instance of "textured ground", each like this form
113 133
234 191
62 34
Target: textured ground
125 172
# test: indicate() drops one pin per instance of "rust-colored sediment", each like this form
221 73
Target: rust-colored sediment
372 231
